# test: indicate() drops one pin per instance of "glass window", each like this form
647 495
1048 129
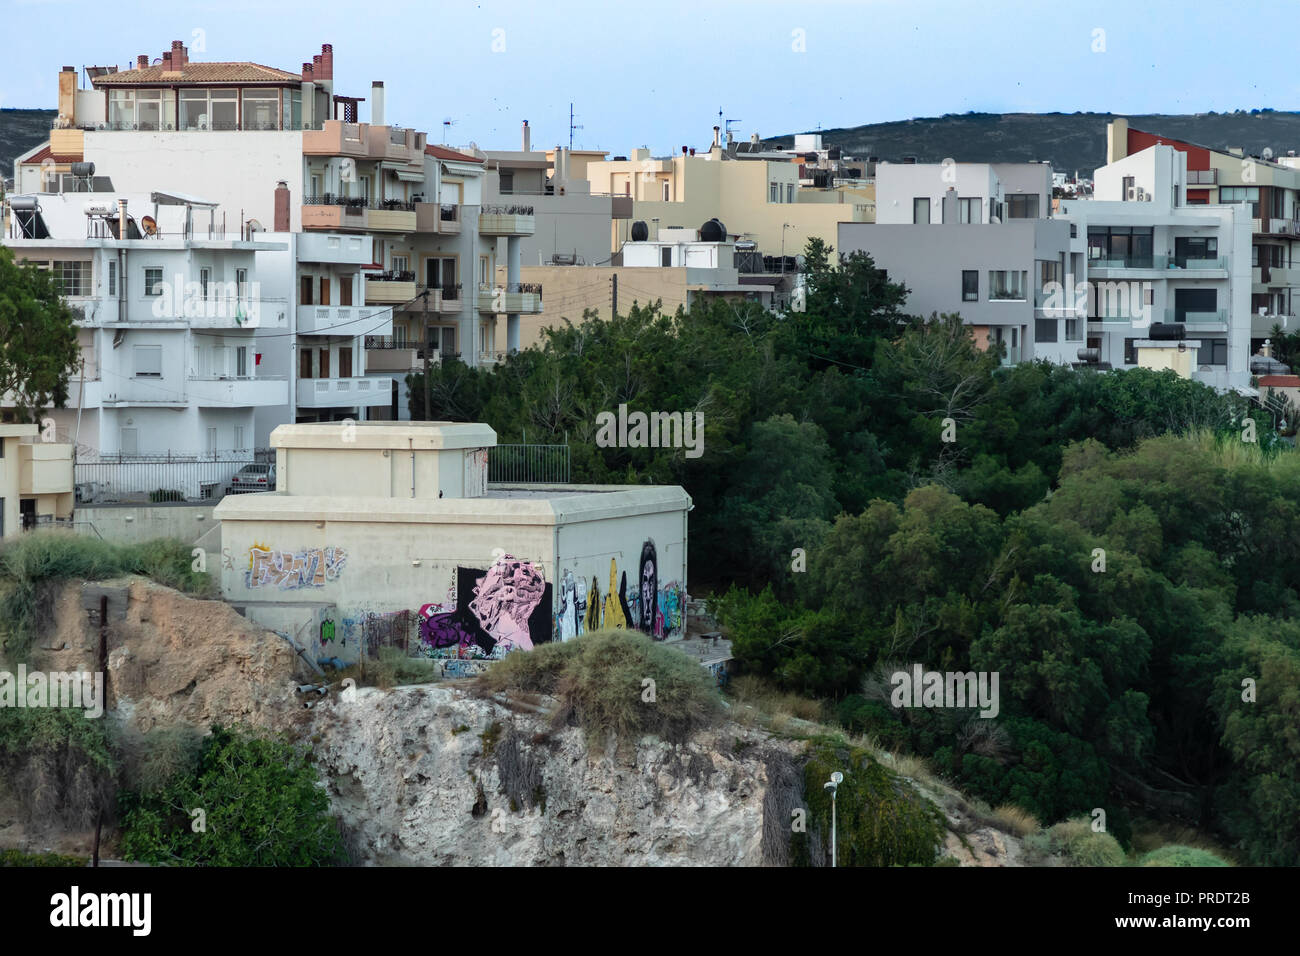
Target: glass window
1007 285
72 278
1022 207
112 277
121 109
1073 330
1213 352
261 109
153 277
149 109
1045 330
970 285
1130 352
968 210
921 209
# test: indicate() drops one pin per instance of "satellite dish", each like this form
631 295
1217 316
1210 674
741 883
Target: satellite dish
149 226
255 226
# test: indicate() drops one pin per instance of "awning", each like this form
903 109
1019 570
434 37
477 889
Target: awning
181 199
408 177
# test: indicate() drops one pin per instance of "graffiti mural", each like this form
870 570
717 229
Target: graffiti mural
504 608
614 616
668 619
327 630
648 590
290 570
568 623
593 608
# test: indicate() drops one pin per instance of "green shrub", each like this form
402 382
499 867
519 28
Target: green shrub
1083 846
599 680
1181 856
58 763
33 564
166 494
881 819
263 806
19 858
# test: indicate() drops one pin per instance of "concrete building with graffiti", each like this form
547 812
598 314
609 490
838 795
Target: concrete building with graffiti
388 534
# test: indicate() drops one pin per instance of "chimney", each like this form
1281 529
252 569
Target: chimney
308 74
121 219
528 139
142 61
178 54
68 95
717 136
377 103
282 206
692 150
167 61
327 59
685 150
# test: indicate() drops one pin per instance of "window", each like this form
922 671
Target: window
1213 352
205 280
1073 330
345 361
345 290
667 192
789 192
1008 285
291 103
483 270
1046 330
325 363
315 185
970 285
1196 247
261 109
1074 230
209 109
153 277
1122 246
241 282
921 210
968 210
1130 352
72 278
239 437
665 256
1246 194
112 277
148 361
507 182
995 211
400 263
1022 207
773 192
241 361
212 441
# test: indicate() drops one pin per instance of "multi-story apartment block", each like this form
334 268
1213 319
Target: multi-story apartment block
1270 187
173 323
1135 276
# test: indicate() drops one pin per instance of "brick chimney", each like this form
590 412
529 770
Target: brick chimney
318 66
327 59
178 55
167 61
307 75
142 61
282 206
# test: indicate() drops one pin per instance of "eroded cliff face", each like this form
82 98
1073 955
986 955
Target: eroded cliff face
429 775
433 774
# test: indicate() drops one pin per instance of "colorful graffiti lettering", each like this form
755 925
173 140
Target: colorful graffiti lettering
326 631
290 570
453 667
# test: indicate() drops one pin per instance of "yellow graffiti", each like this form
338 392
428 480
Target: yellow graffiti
614 616
592 622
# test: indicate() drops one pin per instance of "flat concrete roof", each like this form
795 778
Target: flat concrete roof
401 436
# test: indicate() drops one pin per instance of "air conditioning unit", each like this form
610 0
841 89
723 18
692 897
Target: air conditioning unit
1132 193
1141 194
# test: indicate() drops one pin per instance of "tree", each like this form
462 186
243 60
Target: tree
38 338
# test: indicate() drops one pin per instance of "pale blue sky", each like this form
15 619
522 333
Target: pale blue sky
656 73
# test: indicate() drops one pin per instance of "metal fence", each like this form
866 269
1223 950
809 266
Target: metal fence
154 479
542 464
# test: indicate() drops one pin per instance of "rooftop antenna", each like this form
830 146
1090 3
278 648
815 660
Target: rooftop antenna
447 124
572 127
727 125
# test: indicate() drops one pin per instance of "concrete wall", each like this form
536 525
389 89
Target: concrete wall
131 524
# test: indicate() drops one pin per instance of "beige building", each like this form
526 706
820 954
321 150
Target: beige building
35 480
389 533
758 199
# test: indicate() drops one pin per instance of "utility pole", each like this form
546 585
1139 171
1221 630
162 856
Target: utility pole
613 280
833 785
428 343
571 127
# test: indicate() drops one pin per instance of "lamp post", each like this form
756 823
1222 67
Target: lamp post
832 785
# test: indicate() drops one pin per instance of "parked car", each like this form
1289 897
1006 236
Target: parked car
255 477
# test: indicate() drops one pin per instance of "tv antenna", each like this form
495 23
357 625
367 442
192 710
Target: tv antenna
447 124
727 124
572 127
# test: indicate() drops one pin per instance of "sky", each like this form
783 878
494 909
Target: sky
657 74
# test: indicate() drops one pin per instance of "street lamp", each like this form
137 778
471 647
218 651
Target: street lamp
832 785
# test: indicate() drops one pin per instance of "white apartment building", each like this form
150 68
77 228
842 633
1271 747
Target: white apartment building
1164 277
173 327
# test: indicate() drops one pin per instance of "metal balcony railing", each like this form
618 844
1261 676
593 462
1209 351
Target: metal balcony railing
449 213
506 211
391 275
359 202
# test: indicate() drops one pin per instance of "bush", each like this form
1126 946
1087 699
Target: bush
1181 856
58 763
19 858
31 565
881 819
599 677
166 494
391 667
263 806
1083 846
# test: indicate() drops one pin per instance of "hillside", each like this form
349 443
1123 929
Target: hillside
20 130
1070 141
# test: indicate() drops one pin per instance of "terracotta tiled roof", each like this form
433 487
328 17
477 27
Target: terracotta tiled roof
46 153
1280 381
200 74
442 152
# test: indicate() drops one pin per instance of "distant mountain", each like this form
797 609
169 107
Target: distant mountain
1069 141
20 130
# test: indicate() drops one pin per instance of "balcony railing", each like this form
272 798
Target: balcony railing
1218 317
1157 262
512 288
359 202
391 275
506 210
449 212
1202 177
220 126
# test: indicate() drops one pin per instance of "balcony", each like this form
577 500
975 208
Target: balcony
1275 227
45 468
1202 177
384 353
331 212
336 250
516 298
1199 320
348 320
491 358
1058 304
1159 263
444 300
235 392
389 288
344 392
437 218
506 221
238 313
